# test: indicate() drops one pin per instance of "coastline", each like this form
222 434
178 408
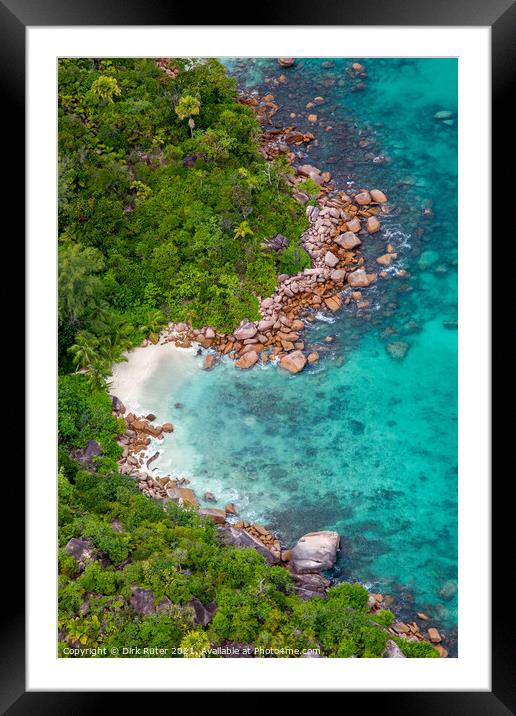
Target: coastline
336 277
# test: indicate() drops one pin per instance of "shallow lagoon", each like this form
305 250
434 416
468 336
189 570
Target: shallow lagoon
360 442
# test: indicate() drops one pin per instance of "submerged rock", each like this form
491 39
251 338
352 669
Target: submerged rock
397 349
443 114
427 259
314 552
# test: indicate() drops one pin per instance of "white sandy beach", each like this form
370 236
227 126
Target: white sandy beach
132 383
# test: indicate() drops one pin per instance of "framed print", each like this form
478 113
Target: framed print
258 368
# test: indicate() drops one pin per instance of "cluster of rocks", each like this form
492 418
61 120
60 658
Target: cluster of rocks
412 630
266 538
136 439
337 228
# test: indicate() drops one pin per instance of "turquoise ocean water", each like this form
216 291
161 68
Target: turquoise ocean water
360 442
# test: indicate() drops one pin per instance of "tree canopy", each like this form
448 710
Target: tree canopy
156 219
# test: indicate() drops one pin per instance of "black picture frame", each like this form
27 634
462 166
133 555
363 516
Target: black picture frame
15 17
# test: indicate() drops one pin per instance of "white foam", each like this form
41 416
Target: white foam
325 319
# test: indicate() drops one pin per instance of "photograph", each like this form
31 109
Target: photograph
257 357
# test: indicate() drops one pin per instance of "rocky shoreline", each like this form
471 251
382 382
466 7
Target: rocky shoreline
313 553
337 276
338 225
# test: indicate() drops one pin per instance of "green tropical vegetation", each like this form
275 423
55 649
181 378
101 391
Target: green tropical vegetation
162 217
164 204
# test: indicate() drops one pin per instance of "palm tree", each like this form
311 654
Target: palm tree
243 230
84 351
186 107
97 375
152 325
117 339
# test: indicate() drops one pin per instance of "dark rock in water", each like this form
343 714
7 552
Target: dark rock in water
150 417
203 613
178 406
86 454
357 427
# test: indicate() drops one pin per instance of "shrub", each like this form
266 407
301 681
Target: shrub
354 596
384 618
294 259
417 649
195 645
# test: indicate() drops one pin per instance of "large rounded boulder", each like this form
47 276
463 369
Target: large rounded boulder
315 552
